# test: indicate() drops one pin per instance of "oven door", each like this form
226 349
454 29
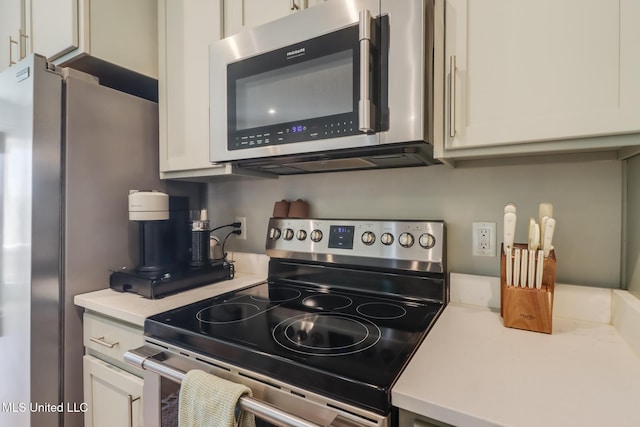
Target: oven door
327 91
273 403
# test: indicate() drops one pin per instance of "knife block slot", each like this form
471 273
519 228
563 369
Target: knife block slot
526 308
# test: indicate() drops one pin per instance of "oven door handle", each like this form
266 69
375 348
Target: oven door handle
145 358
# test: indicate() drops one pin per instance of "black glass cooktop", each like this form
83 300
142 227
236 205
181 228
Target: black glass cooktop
343 344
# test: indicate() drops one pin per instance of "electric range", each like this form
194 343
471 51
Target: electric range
345 306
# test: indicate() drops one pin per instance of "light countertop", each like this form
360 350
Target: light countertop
472 371
132 308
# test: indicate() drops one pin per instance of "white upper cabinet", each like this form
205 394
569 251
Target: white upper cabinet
54 26
185 29
121 32
250 13
520 71
12 32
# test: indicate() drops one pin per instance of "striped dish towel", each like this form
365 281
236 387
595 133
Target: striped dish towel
210 401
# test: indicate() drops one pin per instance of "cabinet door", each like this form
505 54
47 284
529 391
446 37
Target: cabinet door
250 13
113 396
185 30
10 30
540 70
54 27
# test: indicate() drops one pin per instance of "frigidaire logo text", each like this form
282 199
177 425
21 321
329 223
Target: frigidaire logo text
296 52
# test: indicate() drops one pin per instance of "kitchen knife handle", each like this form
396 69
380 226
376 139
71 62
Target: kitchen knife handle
452 96
531 275
524 267
516 267
539 269
364 104
509 268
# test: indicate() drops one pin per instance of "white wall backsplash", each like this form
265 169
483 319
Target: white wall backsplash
587 199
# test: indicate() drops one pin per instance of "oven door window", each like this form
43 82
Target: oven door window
302 92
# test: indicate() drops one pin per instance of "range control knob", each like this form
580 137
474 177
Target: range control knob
301 235
288 234
368 238
387 239
274 233
316 235
406 240
427 241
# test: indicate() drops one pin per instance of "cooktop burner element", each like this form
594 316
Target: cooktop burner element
278 295
326 334
327 302
381 310
336 316
227 312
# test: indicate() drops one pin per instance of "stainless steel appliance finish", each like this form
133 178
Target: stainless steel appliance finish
282 121
70 150
406 245
273 402
345 306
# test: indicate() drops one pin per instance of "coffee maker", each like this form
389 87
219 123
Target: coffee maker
170 257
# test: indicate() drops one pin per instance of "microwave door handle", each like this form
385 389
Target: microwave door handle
364 104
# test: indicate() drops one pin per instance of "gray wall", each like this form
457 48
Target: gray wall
587 198
632 235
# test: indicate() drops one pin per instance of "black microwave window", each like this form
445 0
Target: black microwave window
306 90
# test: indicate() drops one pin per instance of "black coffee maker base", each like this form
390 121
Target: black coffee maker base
160 284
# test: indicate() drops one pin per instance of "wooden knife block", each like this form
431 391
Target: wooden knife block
524 308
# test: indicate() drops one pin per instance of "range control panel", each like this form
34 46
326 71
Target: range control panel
407 244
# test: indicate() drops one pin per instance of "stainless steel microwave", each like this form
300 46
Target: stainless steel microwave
347 84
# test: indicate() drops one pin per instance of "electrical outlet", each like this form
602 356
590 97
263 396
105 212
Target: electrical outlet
243 226
483 239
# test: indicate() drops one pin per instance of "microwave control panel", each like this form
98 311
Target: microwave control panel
307 130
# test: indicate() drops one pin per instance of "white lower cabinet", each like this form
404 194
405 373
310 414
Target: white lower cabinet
112 389
113 396
409 419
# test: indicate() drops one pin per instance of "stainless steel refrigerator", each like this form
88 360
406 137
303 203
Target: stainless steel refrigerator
70 150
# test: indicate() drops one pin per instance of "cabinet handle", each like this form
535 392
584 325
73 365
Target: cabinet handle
130 401
294 6
364 104
11 43
23 47
130 409
452 96
102 342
